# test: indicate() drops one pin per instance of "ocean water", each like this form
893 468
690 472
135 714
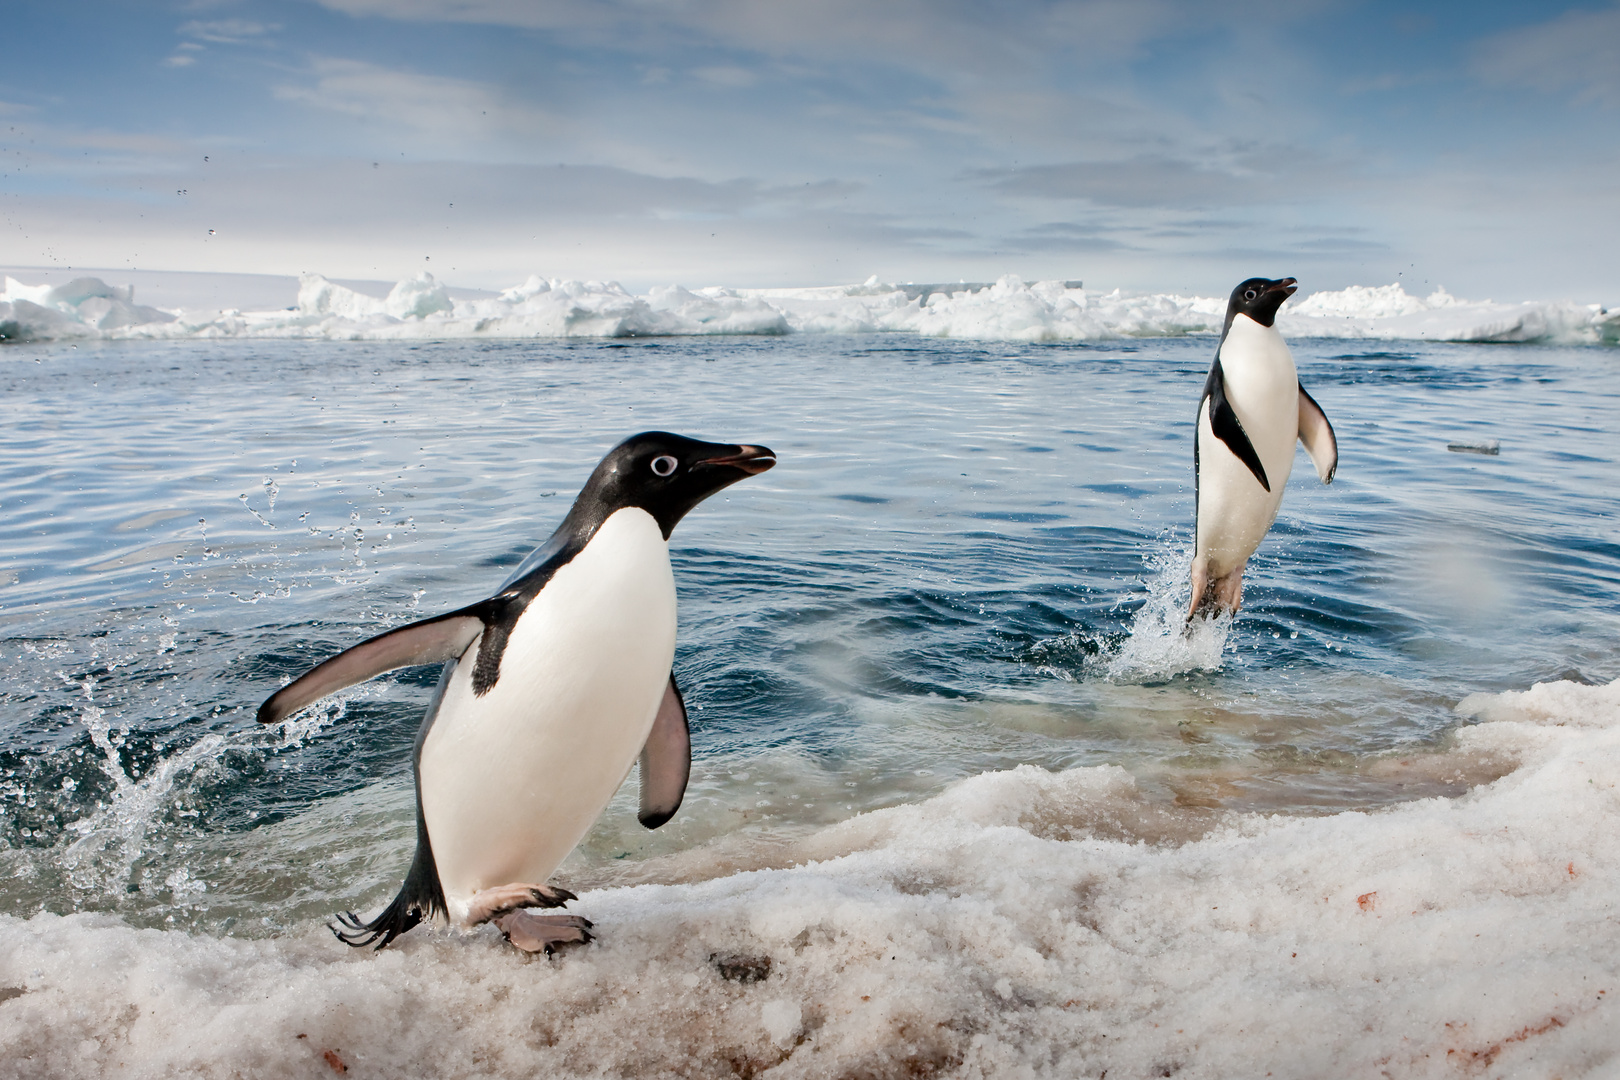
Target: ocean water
966 800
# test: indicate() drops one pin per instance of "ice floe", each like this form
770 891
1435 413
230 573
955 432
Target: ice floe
1009 309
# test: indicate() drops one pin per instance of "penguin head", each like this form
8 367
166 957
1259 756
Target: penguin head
1259 299
666 475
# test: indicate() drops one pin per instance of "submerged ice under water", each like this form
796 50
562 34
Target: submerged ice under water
936 653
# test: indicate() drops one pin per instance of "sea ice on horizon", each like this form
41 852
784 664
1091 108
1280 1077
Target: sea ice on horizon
1020 924
1010 310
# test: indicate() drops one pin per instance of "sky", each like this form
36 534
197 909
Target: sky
1147 145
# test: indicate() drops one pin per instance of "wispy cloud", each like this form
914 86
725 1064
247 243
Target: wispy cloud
228 31
937 36
1234 174
458 109
1578 51
727 76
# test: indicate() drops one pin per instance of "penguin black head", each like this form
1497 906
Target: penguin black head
1259 299
665 475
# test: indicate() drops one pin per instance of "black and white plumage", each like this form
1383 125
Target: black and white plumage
552 688
1252 410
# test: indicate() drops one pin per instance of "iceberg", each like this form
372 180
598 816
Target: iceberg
85 307
1010 309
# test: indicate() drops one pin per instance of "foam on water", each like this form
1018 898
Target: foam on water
1009 310
1021 923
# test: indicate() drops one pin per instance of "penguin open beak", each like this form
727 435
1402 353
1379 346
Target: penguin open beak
1287 286
750 459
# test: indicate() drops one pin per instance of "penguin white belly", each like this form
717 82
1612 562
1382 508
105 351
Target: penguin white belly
1262 386
512 781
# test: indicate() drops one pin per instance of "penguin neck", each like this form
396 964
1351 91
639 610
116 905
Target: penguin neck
1254 356
1234 317
1243 335
584 518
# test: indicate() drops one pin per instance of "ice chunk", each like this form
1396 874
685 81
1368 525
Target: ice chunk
1009 309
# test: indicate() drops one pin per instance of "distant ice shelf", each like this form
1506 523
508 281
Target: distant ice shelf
1010 309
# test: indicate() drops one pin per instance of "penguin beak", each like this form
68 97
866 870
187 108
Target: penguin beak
752 460
1287 286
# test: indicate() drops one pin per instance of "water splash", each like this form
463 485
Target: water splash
127 844
112 839
248 507
1162 643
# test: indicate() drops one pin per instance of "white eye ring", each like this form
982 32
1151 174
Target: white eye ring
1250 295
663 465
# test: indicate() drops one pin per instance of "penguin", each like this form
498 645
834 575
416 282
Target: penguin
1252 409
551 689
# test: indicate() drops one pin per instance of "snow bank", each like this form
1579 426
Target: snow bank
1008 310
1021 924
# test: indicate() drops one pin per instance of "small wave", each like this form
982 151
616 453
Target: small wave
421 308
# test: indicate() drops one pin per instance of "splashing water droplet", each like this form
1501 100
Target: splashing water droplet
1163 643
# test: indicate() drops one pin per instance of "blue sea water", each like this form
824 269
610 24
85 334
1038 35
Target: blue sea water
971 556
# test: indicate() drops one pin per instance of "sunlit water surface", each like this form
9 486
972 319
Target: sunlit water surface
970 556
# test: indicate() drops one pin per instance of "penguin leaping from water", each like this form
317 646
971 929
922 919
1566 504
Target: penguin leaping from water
551 690
1253 409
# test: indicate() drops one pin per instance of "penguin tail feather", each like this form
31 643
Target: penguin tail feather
421 897
395 920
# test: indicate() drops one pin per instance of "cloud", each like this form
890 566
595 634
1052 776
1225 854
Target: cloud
1579 50
228 31
1235 174
1140 181
727 76
939 37
1064 236
488 226
434 104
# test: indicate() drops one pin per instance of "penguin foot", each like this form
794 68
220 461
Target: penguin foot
486 904
1222 596
536 933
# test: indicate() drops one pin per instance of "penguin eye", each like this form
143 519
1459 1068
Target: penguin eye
1249 294
663 465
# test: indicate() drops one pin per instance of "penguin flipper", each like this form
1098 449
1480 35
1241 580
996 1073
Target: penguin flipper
666 760
1316 434
1224 422
430 641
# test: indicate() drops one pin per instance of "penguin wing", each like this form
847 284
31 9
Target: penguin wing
1317 436
1224 422
428 642
666 760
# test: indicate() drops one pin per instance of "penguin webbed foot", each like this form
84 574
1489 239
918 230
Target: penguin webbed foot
487 904
1212 599
543 933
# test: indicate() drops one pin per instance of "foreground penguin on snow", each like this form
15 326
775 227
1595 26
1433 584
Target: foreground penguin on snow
1253 409
551 689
